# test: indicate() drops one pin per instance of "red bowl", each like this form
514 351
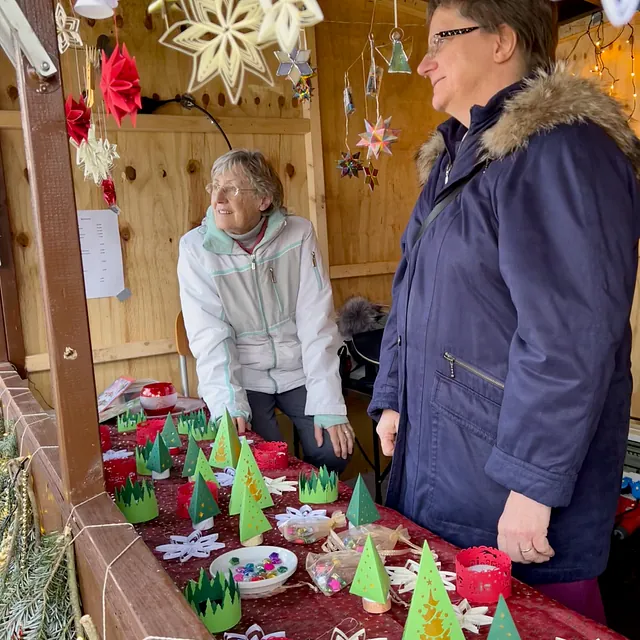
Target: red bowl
158 398
117 471
184 497
483 587
271 456
105 438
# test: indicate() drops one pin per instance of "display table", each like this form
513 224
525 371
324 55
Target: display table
305 615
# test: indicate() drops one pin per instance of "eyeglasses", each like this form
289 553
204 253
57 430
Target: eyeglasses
439 38
228 191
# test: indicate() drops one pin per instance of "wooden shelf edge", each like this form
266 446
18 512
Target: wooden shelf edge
362 270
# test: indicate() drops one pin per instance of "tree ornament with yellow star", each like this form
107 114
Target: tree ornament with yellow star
222 38
283 20
378 137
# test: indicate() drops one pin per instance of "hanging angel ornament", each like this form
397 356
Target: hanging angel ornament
398 60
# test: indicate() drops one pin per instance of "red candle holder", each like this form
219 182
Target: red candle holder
105 438
271 456
483 575
117 471
184 497
158 398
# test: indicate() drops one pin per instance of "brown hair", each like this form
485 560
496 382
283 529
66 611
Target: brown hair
532 20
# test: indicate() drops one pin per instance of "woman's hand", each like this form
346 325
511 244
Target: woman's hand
342 438
387 429
522 530
241 425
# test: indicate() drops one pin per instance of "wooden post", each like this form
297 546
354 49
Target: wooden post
315 167
56 227
8 286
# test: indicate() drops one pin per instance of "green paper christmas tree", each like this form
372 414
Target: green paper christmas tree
431 614
159 459
226 448
169 433
503 626
203 505
142 455
252 521
189 468
204 468
362 509
216 601
318 488
248 474
371 580
137 501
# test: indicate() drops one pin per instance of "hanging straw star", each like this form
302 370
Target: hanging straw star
471 618
67 29
96 156
283 20
278 486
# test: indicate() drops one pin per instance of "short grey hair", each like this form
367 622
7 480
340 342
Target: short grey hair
259 171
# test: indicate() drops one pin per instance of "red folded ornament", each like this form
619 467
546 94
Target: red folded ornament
120 84
271 456
149 429
184 497
483 575
109 192
117 471
78 119
105 438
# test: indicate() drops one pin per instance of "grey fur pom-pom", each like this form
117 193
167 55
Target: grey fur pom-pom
358 315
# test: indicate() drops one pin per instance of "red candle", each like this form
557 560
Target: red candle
149 429
483 574
271 456
184 497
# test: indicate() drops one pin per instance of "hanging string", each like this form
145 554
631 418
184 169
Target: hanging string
346 115
632 41
395 13
75 50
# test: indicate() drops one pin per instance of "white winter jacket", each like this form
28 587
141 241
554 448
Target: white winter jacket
263 322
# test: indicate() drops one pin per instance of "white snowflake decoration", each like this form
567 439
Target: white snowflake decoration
113 454
67 29
407 576
225 478
305 513
184 548
96 156
359 635
283 20
278 486
470 618
255 632
222 38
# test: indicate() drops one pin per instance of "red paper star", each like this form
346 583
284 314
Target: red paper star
109 192
78 119
371 176
378 137
120 84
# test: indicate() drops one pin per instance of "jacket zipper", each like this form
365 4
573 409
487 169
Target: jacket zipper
266 324
446 173
275 289
317 272
453 361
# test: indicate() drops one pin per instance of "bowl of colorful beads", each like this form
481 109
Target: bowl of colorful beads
257 570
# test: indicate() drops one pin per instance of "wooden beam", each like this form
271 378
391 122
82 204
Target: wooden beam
190 124
362 270
115 353
9 298
315 164
56 229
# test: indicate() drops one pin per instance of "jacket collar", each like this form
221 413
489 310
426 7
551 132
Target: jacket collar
217 241
537 104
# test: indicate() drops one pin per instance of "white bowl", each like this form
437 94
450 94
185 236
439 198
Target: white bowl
256 555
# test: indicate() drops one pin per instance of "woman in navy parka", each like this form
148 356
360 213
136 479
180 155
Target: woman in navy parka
504 386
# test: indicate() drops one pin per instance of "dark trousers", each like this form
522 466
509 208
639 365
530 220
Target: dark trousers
291 403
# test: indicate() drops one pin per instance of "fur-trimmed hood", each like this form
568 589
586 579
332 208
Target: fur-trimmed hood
548 99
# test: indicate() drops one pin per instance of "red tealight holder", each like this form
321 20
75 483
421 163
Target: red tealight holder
149 429
271 456
117 471
483 575
105 438
158 398
184 497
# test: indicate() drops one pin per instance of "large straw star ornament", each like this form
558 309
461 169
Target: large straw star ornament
378 137
283 20
222 38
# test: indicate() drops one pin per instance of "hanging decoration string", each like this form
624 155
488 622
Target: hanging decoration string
632 41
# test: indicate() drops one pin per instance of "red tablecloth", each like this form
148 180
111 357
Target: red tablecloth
305 615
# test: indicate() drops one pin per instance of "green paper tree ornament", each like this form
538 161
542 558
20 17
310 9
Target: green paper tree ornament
159 459
318 488
189 468
137 501
252 521
226 448
202 505
216 601
170 434
431 614
142 455
503 627
362 509
248 474
371 580
204 469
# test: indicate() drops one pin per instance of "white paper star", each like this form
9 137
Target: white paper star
222 38
184 548
225 478
407 576
278 485
305 512
67 29
113 454
378 137
359 635
255 632
96 156
471 618
283 20
294 65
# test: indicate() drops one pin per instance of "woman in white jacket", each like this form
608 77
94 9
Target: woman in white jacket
258 310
